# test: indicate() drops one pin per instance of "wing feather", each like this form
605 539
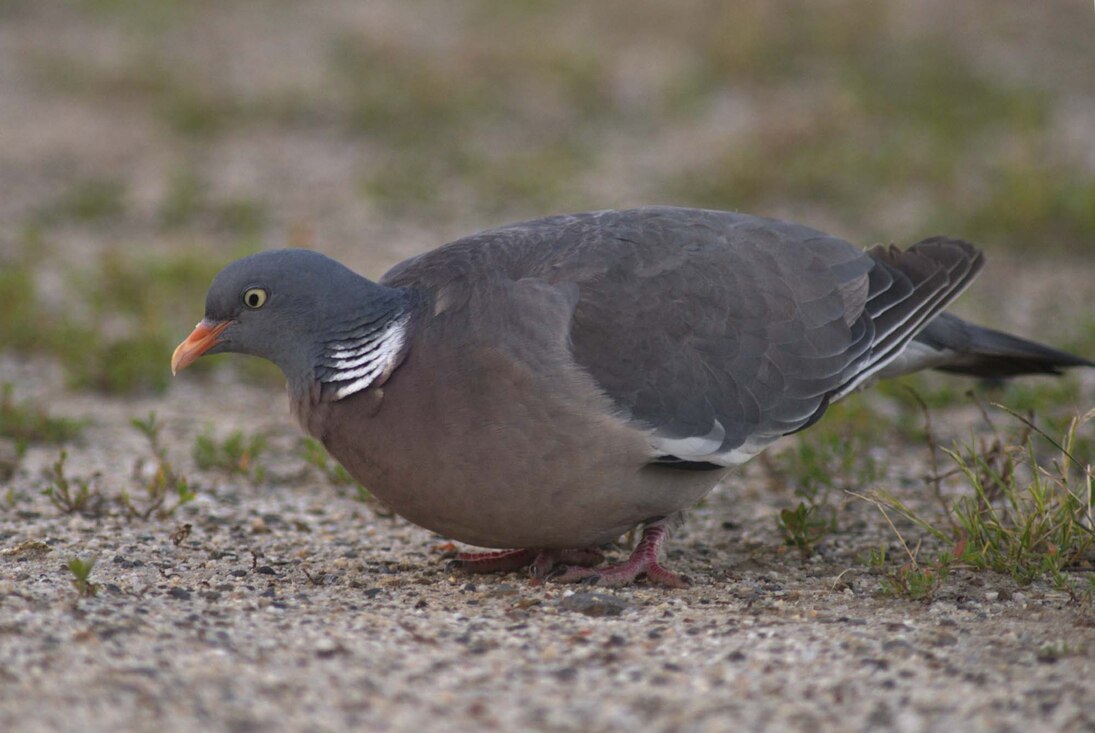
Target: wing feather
718 332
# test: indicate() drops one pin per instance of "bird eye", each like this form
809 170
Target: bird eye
254 297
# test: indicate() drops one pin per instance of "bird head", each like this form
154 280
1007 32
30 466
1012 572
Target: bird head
286 306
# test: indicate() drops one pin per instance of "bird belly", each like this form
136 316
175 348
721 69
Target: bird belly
519 462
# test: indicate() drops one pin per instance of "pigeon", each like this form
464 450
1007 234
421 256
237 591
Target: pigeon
542 388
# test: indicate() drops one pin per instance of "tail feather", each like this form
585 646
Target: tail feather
964 348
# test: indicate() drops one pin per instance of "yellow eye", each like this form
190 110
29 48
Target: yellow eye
254 297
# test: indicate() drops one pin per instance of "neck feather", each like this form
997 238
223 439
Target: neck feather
364 352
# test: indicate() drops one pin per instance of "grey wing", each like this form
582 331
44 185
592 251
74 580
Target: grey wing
718 332
722 333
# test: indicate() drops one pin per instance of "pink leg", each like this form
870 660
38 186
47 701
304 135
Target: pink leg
643 561
542 561
495 561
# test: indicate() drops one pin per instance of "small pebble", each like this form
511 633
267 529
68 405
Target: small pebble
595 604
181 594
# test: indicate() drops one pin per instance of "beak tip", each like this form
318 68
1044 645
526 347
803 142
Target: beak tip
204 337
177 359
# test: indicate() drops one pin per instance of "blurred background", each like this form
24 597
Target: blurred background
144 144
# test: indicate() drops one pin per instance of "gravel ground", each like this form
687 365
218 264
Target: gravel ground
288 605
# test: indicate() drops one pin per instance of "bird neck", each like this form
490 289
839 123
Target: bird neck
365 347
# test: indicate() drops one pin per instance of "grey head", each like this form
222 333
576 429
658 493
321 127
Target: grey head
316 319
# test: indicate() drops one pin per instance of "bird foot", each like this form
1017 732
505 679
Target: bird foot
541 563
495 561
577 566
643 561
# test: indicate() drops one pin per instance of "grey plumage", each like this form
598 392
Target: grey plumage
975 351
700 321
541 384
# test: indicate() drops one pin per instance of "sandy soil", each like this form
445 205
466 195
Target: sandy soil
290 606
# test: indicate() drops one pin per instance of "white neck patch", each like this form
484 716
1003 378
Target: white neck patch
348 366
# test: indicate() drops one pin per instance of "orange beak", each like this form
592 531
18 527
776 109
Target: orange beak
204 337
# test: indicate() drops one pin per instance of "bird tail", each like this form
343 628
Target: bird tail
950 344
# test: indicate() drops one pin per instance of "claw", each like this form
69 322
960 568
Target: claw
576 566
542 564
643 561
